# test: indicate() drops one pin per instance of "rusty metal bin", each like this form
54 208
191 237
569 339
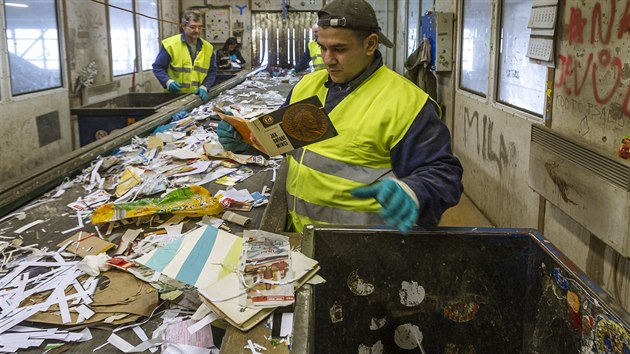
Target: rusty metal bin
452 290
97 120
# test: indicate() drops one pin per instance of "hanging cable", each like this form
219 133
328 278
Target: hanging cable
135 13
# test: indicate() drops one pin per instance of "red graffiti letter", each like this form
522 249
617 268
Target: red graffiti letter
577 89
576 26
604 60
624 23
565 71
626 101
597 15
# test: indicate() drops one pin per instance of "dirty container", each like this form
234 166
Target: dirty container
452 290
97 120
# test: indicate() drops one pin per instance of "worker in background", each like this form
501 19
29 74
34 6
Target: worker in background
392 161
312 54
229 57
186 62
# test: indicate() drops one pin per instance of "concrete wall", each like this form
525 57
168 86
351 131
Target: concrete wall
590 104
84 38
20 149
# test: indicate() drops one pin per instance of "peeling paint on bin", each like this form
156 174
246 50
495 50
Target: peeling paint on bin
377 323
408 336
358 286
377 348
411 294
336 313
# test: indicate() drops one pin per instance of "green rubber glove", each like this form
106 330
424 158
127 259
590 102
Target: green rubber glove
174 87
230 138
203 94
398 208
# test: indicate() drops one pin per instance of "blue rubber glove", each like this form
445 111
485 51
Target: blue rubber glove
398 208
230 138
203 94
174 87
179 115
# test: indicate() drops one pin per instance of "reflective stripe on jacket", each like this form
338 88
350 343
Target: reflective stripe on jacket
316 55
181 69
370 121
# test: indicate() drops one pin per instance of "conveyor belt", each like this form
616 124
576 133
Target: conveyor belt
22 190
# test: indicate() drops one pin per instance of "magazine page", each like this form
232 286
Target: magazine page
266 269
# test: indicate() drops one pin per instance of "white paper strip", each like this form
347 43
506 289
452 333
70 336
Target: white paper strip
201 324
28 226
84 311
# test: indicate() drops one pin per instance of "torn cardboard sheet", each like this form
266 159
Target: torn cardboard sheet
116 292
223 297
84 244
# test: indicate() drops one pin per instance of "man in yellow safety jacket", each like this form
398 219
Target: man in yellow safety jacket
312 55
186 62
392 161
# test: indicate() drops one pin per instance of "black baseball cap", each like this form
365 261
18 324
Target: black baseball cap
352 14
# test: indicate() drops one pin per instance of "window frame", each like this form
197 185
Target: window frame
139 16
6 69
135 36
497 76
460 75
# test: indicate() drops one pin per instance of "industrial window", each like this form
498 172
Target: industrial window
521 83
149 32
32 36
475 46
280 41
123 36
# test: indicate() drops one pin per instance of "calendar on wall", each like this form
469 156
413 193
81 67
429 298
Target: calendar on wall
540 48
218 24
542 24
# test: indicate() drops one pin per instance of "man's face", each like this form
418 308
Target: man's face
192 30
345 56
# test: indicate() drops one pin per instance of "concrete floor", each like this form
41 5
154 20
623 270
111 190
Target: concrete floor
464 214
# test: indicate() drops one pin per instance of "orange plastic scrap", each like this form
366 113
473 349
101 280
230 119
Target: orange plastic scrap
190 201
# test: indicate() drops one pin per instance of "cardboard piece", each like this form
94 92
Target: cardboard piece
117 292
84 244
285 129
223 296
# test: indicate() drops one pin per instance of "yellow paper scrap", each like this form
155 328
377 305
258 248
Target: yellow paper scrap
128 179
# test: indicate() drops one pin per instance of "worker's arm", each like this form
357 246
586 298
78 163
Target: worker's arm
304 61
160 65
208 81
423 160
240 58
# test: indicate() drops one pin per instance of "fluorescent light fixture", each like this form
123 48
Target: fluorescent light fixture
15 4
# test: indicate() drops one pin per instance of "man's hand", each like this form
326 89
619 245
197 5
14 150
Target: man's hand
230 138
174 87
202 92
399 209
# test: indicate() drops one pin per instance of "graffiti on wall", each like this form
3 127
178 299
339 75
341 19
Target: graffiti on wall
608 116
486 138
600 68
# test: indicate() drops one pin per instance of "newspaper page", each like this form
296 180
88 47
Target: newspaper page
266 269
